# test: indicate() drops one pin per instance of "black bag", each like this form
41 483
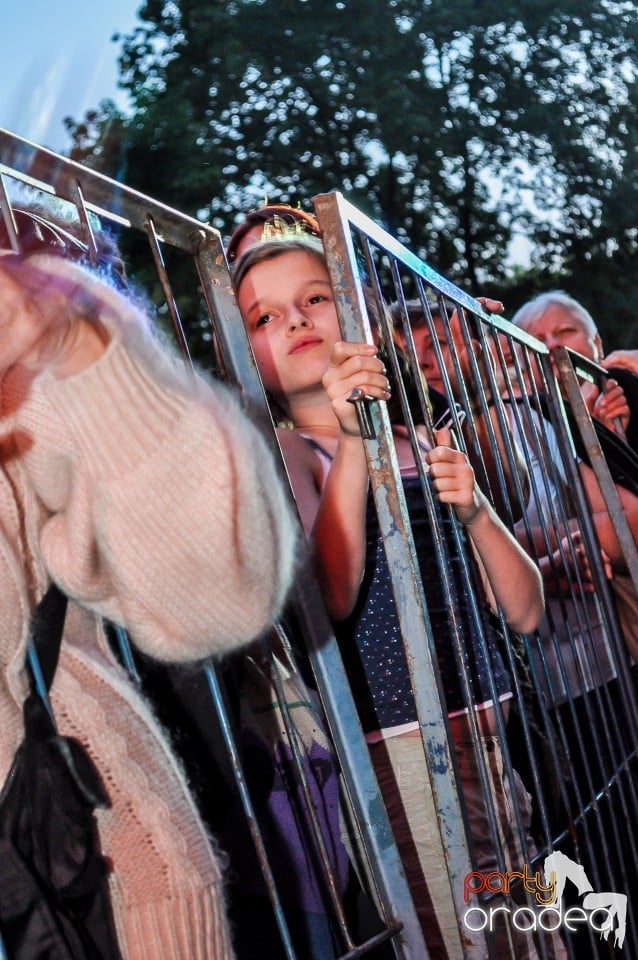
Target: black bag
54 900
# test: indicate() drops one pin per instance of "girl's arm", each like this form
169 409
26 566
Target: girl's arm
339 532
305 474
514 579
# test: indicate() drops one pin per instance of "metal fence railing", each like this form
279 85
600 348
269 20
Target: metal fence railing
569 723
572 722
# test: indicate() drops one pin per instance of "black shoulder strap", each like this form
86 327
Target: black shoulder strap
47 625
317 446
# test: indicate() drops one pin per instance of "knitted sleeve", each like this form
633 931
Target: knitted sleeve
163 510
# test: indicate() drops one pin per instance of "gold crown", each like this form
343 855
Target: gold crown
278 228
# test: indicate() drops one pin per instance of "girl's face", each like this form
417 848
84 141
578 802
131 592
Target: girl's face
291 319
428 358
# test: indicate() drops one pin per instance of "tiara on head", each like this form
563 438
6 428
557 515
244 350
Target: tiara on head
277 228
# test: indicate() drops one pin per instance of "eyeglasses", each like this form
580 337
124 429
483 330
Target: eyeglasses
36 233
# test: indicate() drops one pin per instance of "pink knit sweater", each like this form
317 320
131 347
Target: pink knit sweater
151 500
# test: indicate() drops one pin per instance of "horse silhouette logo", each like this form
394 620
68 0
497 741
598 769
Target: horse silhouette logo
614 904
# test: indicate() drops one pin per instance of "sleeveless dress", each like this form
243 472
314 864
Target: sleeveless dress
370 638
374 657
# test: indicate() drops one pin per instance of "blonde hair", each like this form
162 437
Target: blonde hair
270 250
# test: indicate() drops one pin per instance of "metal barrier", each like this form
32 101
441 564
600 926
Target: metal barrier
570 724
574 690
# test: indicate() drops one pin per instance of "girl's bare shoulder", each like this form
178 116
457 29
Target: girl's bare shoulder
306 474
300 455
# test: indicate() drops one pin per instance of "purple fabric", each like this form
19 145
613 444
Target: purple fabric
282 816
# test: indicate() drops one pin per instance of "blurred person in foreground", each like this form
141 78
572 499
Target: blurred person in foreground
147 496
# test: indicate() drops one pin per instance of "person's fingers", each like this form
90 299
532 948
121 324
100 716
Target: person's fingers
346 361
590 393
612 404
366 374
613 391
344 349
627 359
443 437
365 388
492 306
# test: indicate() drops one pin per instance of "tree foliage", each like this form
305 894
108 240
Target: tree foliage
457 125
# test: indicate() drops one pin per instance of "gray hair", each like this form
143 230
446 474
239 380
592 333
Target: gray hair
534 309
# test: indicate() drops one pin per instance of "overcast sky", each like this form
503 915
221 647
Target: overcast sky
58 60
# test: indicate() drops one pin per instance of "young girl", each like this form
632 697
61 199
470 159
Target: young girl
285 296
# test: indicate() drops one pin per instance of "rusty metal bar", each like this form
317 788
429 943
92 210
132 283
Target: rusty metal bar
335 216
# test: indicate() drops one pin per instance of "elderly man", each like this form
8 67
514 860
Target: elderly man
558 320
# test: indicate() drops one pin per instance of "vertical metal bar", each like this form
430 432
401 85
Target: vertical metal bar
80 206
7 216
319 842
235 353
383 861
171 303
599 465
240 780
333 215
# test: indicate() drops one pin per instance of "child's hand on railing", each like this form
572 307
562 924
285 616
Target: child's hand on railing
354 371
453 477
